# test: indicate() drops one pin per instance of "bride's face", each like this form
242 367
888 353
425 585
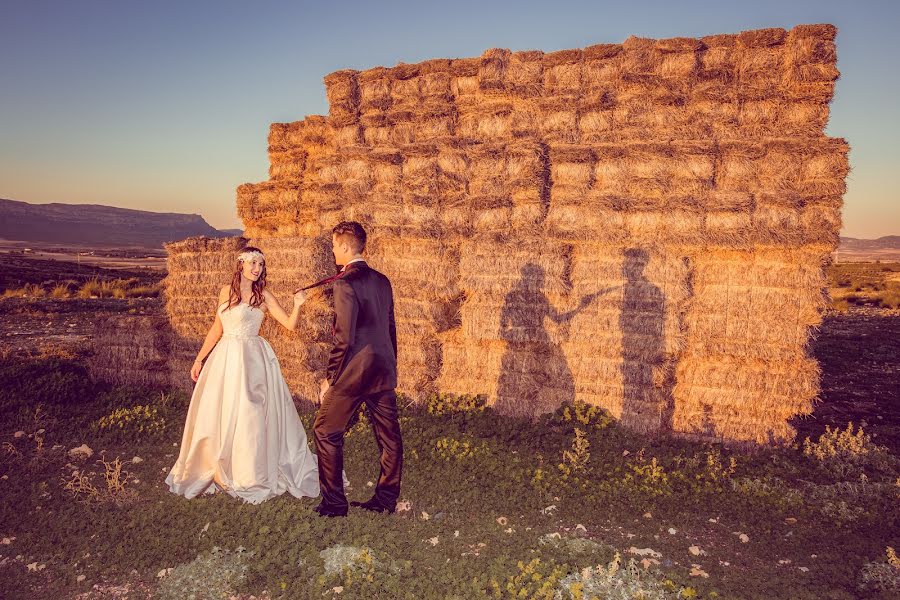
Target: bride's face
251 269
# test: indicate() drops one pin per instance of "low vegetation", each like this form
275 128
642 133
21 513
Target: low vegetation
562 507
865 284
92 288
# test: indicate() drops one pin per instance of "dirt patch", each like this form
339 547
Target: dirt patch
28 325
859 354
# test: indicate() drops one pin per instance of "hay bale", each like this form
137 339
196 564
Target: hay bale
132 350
374 91
197 268
640 226
342 89
752 312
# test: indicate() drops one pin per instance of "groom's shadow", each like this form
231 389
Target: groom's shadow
534 376
647 379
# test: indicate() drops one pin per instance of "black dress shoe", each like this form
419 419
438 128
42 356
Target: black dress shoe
373 505
324 511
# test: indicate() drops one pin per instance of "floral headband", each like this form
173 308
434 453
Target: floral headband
247 256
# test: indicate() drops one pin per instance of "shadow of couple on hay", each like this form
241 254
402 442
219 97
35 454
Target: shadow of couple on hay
535 376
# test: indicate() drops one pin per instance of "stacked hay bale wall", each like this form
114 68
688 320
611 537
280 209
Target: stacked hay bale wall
133 350
641 226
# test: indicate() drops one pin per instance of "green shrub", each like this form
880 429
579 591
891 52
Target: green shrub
143 291
536 579
60 291
89 289
767 493
648 478
846 452
458 449
581 413
706 471
618 581
138 421
442 404
575 459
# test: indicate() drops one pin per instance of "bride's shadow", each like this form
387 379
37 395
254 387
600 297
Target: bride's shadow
534 375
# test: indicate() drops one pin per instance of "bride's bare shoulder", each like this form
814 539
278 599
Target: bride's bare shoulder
268 297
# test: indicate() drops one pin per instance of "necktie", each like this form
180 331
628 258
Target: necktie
325 281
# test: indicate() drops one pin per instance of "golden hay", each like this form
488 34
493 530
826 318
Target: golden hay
641 226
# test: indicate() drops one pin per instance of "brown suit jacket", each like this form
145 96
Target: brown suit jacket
363 359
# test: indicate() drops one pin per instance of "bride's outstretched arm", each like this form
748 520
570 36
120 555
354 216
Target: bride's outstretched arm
212 337
280 315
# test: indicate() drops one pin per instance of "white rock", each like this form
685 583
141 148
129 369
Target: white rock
804 569
672 531
644 552
164 572
80 578
697 551
696 571
82 451
19 434
137 460
744 538
548 510
434 541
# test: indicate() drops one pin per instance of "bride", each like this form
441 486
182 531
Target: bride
242 433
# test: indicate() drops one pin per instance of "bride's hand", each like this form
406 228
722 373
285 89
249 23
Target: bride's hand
299 297
195 370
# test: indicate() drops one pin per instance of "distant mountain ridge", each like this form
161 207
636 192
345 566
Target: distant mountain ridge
884 242
885 248
98 225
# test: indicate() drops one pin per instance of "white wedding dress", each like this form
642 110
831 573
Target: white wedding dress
243 434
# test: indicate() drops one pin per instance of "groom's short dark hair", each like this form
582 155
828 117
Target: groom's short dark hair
353 232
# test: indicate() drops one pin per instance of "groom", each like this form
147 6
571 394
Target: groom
362 368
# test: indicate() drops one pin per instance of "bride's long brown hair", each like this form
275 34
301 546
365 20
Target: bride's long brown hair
234 294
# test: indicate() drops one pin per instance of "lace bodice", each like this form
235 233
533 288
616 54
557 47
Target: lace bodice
240 321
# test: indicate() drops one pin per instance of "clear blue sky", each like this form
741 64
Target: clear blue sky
166 105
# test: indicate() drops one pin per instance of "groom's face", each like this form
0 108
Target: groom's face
340 250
